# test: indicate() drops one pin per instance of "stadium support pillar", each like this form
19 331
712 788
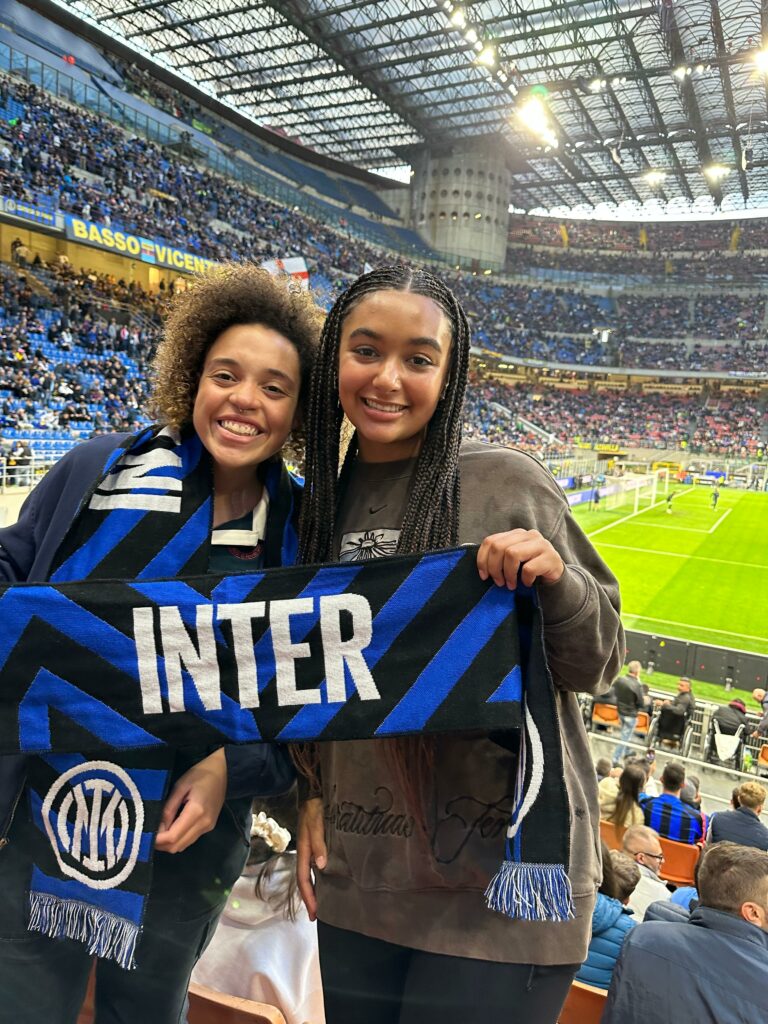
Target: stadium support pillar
460 200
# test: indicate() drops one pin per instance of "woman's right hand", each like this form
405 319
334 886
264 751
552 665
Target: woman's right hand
310 851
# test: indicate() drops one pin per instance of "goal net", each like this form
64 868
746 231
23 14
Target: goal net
633 493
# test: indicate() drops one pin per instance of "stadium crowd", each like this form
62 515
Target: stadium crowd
75 351
613 266
658 237
90 168
728 424
94 377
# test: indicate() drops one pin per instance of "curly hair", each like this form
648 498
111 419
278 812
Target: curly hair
233 294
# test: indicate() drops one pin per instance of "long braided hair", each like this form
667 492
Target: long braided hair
431 518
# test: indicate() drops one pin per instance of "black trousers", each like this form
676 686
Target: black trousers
367 980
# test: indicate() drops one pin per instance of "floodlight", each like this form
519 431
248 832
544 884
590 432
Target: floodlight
487 56
760 60
681 71
654 178
470 35
533 114
459 18
716 172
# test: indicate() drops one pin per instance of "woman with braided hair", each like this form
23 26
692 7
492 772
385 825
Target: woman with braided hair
398 839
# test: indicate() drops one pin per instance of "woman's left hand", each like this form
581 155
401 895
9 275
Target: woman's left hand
197 799
502 555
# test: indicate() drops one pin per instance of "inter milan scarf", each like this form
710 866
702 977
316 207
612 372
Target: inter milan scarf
149 514
403 645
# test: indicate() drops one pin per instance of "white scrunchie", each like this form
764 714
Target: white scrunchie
274 835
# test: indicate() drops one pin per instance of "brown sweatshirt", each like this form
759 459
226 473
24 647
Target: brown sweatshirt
388 878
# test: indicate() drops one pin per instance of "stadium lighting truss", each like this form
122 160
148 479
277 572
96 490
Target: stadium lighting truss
631 86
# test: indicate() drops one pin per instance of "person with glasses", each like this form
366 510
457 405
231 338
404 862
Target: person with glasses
643 846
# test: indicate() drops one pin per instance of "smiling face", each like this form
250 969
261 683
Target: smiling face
393 360
246 400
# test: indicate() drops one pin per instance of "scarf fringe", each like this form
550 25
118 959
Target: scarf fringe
531 892
106 935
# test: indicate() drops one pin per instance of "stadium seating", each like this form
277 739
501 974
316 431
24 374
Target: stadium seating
584 1005
642 723
542 325
611 834
206 1006
606 715
680 861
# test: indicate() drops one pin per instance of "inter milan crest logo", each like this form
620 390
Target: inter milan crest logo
94 817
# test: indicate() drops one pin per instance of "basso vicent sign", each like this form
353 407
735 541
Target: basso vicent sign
148 250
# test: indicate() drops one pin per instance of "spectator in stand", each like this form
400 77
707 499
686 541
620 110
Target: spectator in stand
668 815
761 697
742 825
651 787
683 703
628 691
602 768
612 919
713 967
265 947
731 717
620 798
642 845
690 794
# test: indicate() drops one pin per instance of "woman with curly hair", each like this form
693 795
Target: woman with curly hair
203 490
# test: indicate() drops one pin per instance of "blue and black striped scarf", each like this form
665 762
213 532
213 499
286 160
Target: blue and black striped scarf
123 656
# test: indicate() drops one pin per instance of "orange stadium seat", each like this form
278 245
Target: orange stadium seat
680 860
642 723
611 834
584 1004
605 714
206 1006
762 758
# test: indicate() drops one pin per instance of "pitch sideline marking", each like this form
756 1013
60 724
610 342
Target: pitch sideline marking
669 526
690 625
722 517
632 515
678 554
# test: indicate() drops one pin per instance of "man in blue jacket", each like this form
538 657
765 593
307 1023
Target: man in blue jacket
742 825
713 967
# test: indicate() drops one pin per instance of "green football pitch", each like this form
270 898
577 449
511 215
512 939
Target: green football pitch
698 573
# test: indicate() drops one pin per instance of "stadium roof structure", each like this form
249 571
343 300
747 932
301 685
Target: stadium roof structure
589 97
